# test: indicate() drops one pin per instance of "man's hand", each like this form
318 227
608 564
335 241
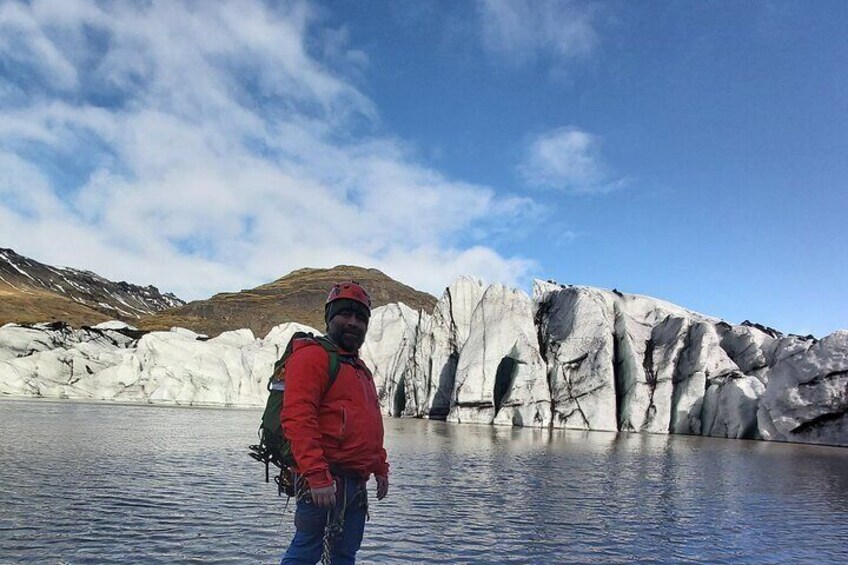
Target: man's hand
325 497
382 486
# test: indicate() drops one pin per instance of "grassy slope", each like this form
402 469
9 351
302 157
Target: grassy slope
32 306
296 297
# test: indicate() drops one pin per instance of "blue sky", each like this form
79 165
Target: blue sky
695 152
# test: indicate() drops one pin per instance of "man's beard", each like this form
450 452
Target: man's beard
349 340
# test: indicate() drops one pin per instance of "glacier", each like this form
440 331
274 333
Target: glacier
566 357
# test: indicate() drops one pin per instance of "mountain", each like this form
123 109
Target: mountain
296 297
32 292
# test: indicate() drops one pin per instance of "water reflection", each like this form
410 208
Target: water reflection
82 483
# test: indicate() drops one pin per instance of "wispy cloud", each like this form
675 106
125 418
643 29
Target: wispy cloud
570 160
523 31
211 146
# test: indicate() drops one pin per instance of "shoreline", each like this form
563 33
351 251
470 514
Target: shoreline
14 398
621 435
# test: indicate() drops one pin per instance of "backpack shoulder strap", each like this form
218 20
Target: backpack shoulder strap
278 374
332 357
365 368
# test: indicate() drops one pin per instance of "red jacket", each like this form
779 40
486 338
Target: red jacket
343 426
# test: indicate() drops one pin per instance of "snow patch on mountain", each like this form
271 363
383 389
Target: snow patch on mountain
84 287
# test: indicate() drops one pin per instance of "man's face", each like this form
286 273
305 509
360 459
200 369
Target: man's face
347 329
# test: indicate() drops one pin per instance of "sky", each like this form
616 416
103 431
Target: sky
696 152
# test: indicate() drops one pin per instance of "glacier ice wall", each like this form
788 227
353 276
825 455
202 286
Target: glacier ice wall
567 357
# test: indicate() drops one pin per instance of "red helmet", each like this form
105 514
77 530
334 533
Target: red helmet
351 290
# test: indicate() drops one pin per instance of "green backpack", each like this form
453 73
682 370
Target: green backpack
273 447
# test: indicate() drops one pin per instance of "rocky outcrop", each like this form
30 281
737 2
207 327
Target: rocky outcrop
569 357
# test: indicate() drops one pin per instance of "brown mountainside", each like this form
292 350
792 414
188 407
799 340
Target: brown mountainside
32 306
33 292
296 297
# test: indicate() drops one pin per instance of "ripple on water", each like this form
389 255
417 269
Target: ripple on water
164 485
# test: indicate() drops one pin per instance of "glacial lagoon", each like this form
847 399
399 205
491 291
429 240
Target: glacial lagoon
105 483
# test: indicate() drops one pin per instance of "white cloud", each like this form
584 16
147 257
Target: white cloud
570 160
448 264
204 147
23 42
522 31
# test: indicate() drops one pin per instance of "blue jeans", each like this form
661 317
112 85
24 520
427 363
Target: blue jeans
310 521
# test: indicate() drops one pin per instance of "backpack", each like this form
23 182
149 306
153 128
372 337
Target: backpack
274 447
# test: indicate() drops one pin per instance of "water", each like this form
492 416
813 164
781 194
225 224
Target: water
94 483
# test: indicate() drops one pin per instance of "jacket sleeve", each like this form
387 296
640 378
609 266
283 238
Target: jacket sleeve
383 465
306 380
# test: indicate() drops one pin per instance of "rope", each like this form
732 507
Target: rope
334 528
335 522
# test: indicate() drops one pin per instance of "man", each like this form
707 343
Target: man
336 434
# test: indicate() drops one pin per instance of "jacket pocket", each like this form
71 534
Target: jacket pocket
333 423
